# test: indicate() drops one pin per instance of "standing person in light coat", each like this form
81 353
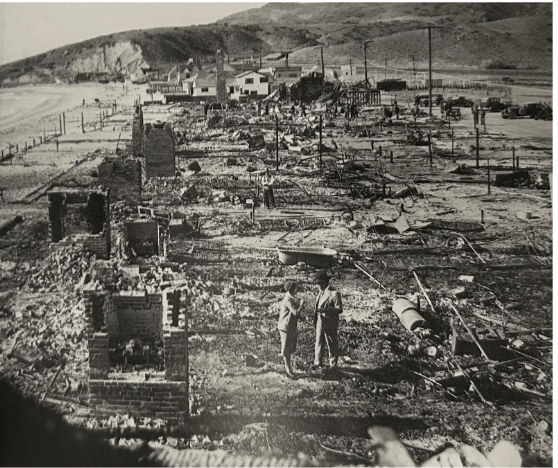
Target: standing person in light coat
290 312
326 320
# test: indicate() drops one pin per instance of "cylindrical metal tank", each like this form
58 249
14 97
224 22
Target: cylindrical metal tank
407 313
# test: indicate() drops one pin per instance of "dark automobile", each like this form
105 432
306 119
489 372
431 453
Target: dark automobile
424 99
460 101
530 110
493 104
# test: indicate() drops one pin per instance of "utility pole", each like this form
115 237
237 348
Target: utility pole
385 69
320 141
323 67
277 141
351 66
365 68
430 71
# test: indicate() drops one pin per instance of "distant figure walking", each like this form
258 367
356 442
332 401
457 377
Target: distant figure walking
83 103
303 110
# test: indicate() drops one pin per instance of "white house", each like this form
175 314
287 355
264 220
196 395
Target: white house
202 85
285 75
249 83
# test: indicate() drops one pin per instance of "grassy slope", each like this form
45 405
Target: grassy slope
469 35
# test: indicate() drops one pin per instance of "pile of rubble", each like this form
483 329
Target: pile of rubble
46 334
62 269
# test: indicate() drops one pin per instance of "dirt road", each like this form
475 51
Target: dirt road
535 131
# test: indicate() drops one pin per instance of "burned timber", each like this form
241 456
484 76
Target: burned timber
141 278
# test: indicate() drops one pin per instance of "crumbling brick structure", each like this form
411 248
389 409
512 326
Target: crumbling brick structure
144 237
123 177
134 315
221 80
137 132
159 150
81 216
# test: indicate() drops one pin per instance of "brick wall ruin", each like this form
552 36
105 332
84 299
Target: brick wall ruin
137 132
143 236
123 177
165 400
159 150
80 216
127 315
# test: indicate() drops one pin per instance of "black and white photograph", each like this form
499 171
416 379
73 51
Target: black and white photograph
276 234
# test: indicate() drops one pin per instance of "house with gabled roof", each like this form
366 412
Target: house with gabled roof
249 83
201 85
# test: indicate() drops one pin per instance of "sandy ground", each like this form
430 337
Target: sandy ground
31 112
28 112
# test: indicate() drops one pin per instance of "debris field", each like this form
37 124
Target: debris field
422 218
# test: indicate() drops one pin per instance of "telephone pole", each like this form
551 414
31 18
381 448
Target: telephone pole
430 71
365 68
385 69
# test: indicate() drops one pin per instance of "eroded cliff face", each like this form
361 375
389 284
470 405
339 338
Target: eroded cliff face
113 58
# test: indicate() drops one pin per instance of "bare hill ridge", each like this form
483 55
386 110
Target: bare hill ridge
465 35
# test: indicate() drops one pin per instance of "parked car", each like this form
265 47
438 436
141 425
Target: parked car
460 101
424 99
545 113
494 104
530 110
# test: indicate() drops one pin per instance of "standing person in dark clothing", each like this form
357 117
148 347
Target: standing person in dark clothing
303 110
289 314
267 181
326 320
475 111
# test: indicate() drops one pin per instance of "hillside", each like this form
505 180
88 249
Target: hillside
365 13
464 35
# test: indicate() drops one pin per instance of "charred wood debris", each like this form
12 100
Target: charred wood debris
461 343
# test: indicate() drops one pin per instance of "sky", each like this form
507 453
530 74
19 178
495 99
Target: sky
28 29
